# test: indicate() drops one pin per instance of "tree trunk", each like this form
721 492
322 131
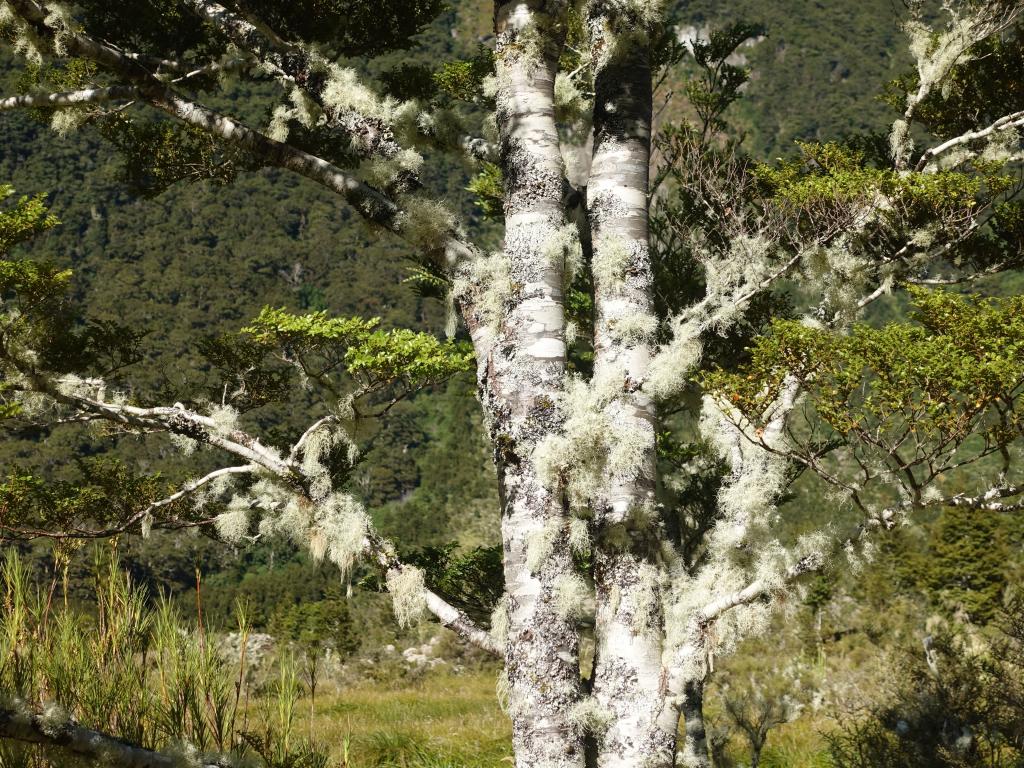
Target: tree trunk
695 750
520 384
629 683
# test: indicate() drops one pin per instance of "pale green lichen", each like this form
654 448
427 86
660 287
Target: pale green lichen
53 720
67 121
645 598
541 543
225 419
446 127
579 455
649 12
579 536
183 443
840 274
380 172
343 92
321 448
631 445
634 328
570 596
213 490
900 142
426 223
611 259
589 716
571 332
408 594
303 110
24 40
278 129
75 386
233 525
500 621
339 530
571 105
563 249
488 282
503 691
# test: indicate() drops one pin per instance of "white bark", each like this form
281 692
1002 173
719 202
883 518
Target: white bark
58 731
628 681
70 98
519 384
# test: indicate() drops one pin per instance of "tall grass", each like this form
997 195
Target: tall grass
137 672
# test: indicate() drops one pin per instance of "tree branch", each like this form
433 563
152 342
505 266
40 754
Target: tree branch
447 614
139 517
181 421
57 730
1004 123
71 98
296 65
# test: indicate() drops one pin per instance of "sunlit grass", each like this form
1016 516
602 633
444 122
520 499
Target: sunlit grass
441 720
453 721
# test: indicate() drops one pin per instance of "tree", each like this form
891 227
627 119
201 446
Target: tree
956 703
649 397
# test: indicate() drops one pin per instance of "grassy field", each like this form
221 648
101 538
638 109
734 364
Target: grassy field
453 721
442 720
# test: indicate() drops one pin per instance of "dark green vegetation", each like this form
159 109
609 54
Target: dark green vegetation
189 266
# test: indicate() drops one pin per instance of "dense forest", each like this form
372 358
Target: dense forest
186 263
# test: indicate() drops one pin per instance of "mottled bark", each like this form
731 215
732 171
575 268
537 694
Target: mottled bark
628 680
520 385
695 749
57 732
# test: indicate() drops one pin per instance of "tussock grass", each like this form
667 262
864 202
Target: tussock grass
443 720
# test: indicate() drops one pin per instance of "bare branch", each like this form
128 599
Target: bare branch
1004 123
71 98
57 730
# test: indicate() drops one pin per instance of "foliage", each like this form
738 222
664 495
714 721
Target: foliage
156 156
104 491
903 397
463 79
26 219
957 704
981 88
472 581
327 622
718 82
488 190
128 669
967 571
318 345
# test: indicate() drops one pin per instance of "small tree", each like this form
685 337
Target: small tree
958 702
608 330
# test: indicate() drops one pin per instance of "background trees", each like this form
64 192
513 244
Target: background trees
585 333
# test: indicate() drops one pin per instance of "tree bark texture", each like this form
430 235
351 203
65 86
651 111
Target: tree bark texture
519 385
629 684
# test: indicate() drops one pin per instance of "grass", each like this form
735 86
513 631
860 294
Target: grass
453 721
439 721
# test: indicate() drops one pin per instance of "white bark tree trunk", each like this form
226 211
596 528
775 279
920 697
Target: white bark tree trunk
629 683
520 384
